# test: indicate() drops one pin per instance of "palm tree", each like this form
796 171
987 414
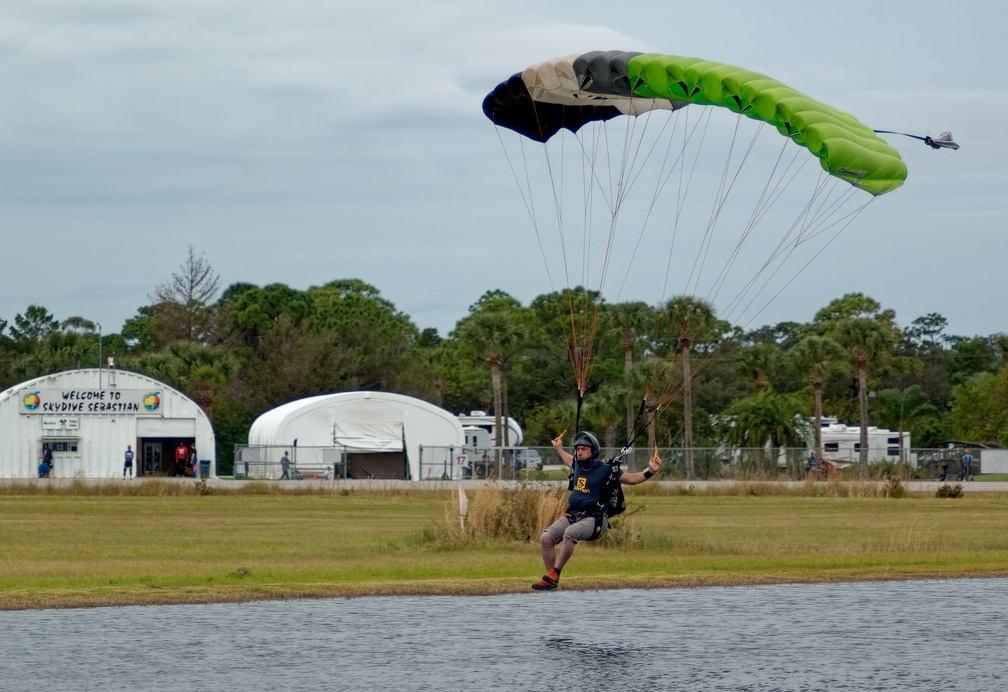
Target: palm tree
818 356
688 320
631 319
760 362
605 406
491 335
766 418
654 374
866 341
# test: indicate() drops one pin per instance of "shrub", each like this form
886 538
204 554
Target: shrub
949 490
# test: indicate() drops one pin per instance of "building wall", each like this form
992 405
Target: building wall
89 416
993 460
355 422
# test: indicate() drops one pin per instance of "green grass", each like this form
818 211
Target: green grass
991 477
90 547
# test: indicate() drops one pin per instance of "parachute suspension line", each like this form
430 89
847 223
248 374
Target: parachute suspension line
846 221
726 185
843 224
772 190
636 431
681 204
671 389
530 208
762 206
527 200
726 188
685 181
614 190
526 197
660 182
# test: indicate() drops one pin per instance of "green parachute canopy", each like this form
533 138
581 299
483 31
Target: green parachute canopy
571 91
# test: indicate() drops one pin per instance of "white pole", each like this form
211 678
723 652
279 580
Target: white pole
99 355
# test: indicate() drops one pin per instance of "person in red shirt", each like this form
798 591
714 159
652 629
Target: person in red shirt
181 457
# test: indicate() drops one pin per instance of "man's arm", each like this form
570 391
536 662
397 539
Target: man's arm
566 457
653 465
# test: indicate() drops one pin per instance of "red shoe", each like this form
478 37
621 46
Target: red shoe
549 582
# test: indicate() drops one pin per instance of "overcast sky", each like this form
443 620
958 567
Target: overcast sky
304 141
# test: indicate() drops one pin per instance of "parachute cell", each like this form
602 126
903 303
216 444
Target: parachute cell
571 91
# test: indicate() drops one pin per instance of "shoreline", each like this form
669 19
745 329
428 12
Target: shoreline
95 599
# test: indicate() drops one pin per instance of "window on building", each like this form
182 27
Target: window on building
64 446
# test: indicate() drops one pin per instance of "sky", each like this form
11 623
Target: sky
305 141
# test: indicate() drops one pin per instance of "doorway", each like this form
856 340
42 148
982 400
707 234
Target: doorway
158 455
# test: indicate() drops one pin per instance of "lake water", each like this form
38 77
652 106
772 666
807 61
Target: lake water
922 635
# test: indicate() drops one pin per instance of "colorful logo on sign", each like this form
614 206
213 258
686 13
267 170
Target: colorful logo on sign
32 401
152 401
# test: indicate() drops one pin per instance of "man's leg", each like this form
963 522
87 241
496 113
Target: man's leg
566 551
548 550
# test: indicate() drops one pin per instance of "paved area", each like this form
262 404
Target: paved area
928 487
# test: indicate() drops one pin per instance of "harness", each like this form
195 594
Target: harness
574 516
612 503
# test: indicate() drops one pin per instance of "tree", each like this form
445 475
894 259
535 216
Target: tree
250 312
78 325
927 333
181 303
490 334
631 321
850 307
689 320
380 339
818 356
866 341
903 408
979 408
784 334
766 418
759 362
605 407
33 326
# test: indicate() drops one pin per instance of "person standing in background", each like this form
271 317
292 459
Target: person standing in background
128 461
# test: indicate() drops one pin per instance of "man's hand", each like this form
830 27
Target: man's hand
654 463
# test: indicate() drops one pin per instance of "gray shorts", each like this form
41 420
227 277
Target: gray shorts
583 530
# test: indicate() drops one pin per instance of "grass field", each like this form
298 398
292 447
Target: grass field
169 543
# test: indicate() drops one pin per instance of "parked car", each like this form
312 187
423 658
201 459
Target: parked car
528 459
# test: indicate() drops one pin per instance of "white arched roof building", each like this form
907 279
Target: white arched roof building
88 417
381 435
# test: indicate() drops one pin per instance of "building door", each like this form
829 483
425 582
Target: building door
150 459
66 455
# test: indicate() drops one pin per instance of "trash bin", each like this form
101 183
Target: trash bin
241 469
204 468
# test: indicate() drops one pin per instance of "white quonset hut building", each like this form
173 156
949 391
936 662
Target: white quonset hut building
88 417
368 434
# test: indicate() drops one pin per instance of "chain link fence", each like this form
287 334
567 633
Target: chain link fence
264 462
